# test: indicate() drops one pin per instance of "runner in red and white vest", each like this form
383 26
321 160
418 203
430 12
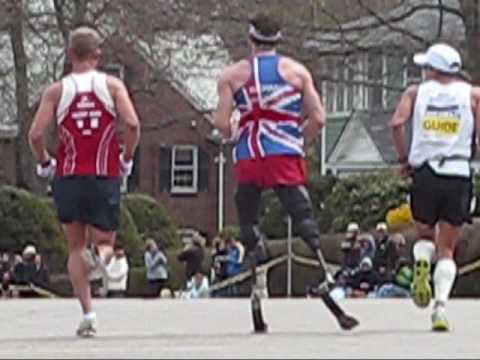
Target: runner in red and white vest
89 166
87 127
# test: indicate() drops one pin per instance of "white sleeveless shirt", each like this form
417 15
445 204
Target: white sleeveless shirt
443 128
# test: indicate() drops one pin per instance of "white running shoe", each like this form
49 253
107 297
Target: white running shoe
439 320
87 327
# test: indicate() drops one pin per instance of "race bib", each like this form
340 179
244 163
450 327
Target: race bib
442 121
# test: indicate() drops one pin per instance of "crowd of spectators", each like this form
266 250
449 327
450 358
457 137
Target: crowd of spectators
374 265
17 270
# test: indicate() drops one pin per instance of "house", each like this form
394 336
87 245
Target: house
369 66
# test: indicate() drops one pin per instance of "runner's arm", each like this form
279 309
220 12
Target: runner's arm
313 106
402 115
225 106
43 118
127 113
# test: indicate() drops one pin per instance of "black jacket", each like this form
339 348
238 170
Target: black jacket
193 258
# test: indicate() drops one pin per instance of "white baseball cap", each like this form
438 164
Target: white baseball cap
382 226
30 250
441 57
352 227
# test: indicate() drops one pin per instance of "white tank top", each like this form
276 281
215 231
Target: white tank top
443 128
92 81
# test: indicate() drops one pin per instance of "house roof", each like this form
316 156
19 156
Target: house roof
334 129
376 123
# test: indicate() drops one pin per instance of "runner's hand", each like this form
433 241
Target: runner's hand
47 169
126 167
406 170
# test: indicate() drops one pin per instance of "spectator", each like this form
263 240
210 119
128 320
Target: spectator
403 252
5 264
235 257
364 281
367 246
157 268
400 286
41 277
350 247
234 264
117 271
218 270
6 290
386 257
192 255
197 287
24 271
219 260
341 289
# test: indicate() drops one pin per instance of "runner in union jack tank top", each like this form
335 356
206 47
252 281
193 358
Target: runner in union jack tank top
280 110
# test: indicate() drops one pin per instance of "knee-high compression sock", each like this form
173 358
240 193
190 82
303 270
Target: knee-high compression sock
424 250
443 279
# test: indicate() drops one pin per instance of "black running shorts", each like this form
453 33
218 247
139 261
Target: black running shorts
88 200
440 198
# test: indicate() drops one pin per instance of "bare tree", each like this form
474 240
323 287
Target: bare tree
344 42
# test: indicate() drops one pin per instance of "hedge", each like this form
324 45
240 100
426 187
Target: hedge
364 199
152 220
129 238
26 219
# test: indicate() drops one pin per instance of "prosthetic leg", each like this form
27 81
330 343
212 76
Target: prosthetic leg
297 203
247 199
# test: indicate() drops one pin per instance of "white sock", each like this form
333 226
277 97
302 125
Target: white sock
443 279
424 250
90 316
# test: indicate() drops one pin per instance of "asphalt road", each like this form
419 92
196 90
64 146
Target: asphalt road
222 329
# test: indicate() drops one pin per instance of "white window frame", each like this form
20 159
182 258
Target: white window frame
360 100
194 167
385 79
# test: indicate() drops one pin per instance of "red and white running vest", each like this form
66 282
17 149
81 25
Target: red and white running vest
87 127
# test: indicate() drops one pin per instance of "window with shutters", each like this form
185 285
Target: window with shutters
184 170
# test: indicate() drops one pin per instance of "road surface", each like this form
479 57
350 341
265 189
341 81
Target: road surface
134 328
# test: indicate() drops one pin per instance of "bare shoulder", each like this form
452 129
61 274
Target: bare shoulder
235 75
476 92
53 92
232 71
475 96
411 92
295 66
114 84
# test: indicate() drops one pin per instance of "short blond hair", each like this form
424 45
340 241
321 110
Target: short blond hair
84 42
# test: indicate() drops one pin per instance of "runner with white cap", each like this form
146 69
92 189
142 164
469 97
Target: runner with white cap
445 114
